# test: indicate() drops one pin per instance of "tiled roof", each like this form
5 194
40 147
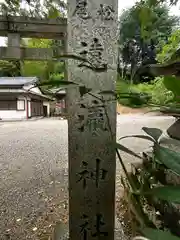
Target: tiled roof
18 81
57 91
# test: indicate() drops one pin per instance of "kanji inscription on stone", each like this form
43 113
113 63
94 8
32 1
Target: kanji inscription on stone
84 175
93 52
93 120
106 12
96 120
81 9
85 227
87 174
97 228
100 173
92 37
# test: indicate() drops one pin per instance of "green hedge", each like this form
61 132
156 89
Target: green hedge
154 92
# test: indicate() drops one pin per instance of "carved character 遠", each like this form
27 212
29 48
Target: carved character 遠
93 55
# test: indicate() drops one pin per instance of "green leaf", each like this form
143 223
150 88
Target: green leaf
173 111
138 136
135 180
154 234
153 132
83 90
127 150
169 158
83 60
169 193
172 84
57 83
108 92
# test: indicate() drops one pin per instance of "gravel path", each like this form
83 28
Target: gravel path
33 179
33 173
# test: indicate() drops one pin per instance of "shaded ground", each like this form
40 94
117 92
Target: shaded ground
121 109
33 173
33 179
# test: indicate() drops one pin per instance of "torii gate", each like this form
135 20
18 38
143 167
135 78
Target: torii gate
16 28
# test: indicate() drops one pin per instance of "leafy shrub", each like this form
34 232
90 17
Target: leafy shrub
56 77
168 49
144 93
129 96
160 95
154 199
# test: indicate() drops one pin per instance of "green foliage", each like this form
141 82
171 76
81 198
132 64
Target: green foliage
142 28
160 94
129 96
56 77
169 68
155 133
9 68
148 187
33 8
36 68
168 157
153 234
169 48
57 83
142 21
169 57
167 193
45 70
39 43
125 149
154 92
173 84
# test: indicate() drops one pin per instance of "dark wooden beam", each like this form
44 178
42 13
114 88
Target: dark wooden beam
39 54
33 27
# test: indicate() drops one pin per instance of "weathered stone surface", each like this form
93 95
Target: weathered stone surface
61 231
92 35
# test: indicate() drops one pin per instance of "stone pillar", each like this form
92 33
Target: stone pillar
14 42
92 35
65 46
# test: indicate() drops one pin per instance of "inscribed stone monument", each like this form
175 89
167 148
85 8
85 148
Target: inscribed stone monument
92 35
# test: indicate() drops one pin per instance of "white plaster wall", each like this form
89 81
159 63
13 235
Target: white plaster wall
12 114
48 107
29 108
28 99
